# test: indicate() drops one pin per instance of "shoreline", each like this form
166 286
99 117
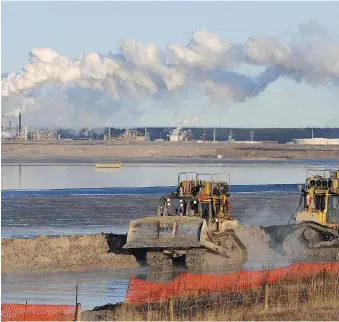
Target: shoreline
163 152
7 161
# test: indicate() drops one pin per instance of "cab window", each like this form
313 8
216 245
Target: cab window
319 202
333 210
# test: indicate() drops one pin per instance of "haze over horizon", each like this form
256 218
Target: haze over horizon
243 64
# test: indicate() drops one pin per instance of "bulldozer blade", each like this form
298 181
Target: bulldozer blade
165 232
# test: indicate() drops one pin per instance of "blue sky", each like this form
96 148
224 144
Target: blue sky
70 28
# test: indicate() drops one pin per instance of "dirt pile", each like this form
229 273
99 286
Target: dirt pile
66 253
279 245
258 244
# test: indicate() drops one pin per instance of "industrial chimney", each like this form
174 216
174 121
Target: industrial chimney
20 123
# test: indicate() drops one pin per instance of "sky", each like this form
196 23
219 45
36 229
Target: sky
73 28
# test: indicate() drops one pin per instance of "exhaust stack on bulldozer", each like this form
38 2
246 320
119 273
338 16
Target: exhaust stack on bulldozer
193 224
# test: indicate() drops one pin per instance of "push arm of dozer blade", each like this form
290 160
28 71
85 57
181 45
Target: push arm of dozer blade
298 207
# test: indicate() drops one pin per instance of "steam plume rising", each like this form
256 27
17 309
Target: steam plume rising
22 108
207 65
180 124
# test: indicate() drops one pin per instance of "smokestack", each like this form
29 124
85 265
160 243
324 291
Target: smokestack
19 122
10 125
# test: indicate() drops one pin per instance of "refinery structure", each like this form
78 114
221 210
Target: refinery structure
128 135
21 132
179 134
177 131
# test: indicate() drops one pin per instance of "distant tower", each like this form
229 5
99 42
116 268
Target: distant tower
25 132
147 136
230 136
252 135
20 129
204 134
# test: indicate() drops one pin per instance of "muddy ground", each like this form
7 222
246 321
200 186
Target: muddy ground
100 252
63 254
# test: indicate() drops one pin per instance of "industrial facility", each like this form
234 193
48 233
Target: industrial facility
21 133
179 134
129 135
42 136
176 133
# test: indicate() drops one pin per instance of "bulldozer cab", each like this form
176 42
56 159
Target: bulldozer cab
199 195
321 197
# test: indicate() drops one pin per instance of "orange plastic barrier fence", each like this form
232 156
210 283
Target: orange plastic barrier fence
141 292
37 312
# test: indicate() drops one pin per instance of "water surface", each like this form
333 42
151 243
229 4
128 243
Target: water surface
28 176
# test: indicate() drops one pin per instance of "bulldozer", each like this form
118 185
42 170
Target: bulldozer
318 220
193 226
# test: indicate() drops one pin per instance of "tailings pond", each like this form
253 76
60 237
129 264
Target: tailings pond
25 215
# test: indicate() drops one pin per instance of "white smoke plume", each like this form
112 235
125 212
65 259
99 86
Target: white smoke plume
180 124
185 122
205 67
22 108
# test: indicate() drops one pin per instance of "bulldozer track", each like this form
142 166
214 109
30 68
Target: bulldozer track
195 258
158 260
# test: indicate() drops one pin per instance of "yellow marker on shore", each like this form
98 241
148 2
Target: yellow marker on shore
102 164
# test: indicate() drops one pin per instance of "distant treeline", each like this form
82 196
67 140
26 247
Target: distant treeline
282 135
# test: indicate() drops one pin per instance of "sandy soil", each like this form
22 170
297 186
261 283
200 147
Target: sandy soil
159 151
89 252
257 243
59 254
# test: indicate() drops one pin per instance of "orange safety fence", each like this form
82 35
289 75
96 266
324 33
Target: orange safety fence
37 312
142 292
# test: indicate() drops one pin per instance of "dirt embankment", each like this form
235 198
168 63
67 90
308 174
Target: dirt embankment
101 251
124 150
104 251
66 253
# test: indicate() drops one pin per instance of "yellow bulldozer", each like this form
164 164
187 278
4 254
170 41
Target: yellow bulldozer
192 226
318 220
